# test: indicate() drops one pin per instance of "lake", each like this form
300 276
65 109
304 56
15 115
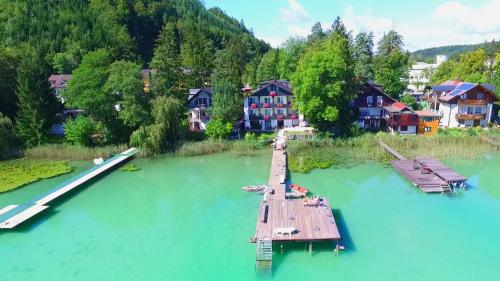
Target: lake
187 219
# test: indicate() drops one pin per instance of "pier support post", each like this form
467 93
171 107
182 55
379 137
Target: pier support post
281 246
310 248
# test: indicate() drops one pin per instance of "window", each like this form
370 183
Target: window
379 101
280 100
280 111
478 110
463 109
404 128
480 96
369 100
267 100
428 129
202 101
470 110
463 97
268 112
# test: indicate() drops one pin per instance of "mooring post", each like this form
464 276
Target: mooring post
310 248
281 248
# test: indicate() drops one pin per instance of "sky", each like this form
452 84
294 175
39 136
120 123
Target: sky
423 23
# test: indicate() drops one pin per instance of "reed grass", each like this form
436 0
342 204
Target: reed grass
20 172
211 146
72 152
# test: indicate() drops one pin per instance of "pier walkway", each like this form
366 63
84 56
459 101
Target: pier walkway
13 215
277 213
426 173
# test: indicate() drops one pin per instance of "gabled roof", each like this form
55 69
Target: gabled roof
195 92
377 87
397 107
58 81
282 84
464 87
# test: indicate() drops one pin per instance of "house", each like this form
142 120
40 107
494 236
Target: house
59 82
270 107
401 119
199 100
465 104
370 102
420 73
428 123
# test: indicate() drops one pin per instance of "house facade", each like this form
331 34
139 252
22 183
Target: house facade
270 107
370 102
401 119
419 74
428 123
466 105
199 100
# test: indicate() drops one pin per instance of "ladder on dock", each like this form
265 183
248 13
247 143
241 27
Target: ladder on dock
264 257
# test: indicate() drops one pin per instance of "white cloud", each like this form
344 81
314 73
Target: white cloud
294 13
450 23
274 41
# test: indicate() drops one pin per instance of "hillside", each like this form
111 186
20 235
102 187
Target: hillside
453 51
127 28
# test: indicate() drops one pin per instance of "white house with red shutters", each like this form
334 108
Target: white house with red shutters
270 107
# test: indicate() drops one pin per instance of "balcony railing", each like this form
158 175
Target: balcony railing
403 120
473 102
270 105
274 117
470 116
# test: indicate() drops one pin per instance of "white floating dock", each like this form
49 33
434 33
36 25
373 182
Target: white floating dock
13 215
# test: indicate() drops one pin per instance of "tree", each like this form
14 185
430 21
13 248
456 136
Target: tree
363 56
443 72
168 80
229 63
79 131
196 54
65 62
289 56
166 130
249 75
339 27
317 33
324 84
227 99
38 104
471 67
411 101
390 42
268 67
392 72
218 129
125 81
9 61
391 64
8 140
86 88
496 77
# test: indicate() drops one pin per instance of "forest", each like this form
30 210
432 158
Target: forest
453 51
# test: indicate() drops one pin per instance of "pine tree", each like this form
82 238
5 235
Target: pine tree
268 67
167 79
37 102
363 55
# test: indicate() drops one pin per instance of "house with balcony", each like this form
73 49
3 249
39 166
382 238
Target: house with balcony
466 105
401 119
199 100
270 107
370 102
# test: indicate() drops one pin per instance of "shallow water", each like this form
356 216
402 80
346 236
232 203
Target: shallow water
186 219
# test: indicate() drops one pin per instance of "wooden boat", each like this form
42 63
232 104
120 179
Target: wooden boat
298 188
254 188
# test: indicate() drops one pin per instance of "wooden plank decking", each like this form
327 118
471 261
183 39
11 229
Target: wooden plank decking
13 215
438 178
275 211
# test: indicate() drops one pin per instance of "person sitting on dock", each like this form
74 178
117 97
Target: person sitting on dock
312 202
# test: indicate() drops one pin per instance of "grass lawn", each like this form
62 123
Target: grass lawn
19 172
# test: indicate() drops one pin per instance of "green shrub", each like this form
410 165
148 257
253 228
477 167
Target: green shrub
79 130
217 129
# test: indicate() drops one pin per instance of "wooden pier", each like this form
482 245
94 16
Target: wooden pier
276 212
427 173
13 215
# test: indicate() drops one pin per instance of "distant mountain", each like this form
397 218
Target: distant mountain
453 51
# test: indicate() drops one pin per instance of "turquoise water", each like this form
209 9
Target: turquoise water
186 219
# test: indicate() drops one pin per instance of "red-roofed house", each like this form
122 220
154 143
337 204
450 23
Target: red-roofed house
59 82
401 119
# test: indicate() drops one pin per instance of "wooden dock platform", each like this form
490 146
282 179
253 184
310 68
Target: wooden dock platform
427 173
276 211
13 215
